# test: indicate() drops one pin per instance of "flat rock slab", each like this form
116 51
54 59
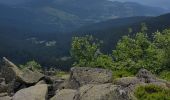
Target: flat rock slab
100 92
86 75
65 94
37 92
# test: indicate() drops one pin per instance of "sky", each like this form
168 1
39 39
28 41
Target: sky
159 3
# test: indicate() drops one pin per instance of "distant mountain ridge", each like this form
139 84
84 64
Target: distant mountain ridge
68 15
111 31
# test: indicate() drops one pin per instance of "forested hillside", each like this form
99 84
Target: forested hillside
53 49
111 31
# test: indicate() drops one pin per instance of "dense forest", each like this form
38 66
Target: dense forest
53 50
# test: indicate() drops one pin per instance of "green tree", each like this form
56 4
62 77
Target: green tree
86 53
134 53
162 41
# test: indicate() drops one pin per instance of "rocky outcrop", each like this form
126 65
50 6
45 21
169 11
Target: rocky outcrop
66 94
30 77
146 76
37 92
101 92
82 84
80 76
127 81
11 72
92 92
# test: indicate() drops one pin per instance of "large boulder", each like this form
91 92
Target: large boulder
66 94
102 92
30 77
37 92
11 72
80 76
146 76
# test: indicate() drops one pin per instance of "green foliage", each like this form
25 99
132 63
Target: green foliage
104 61
33 65
121 73
162 41
165 75
152 92
131 54
86 52
137 52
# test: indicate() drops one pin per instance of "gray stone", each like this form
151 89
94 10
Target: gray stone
146 76
66 94
102 92
37 92
127 81
5 98
11 72
30 77
84 75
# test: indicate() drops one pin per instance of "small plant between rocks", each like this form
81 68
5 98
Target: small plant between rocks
152 92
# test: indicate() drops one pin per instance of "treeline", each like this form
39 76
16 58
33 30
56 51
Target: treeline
131 53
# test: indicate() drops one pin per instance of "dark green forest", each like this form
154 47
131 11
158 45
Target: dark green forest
22 47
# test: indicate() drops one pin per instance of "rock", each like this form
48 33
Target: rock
37 92
11 72
30 77
41 82
5 98
146 76
83 75
66 94
127 81
3 86
56 85
3 94
69 84
102 92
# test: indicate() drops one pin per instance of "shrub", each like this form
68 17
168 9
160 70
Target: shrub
86 53
121 73
152 92
165 75
33 65
134 53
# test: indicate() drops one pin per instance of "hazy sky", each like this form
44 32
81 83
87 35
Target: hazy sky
158 3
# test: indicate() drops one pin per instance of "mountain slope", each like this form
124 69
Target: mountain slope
113 31
23 47
68 15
